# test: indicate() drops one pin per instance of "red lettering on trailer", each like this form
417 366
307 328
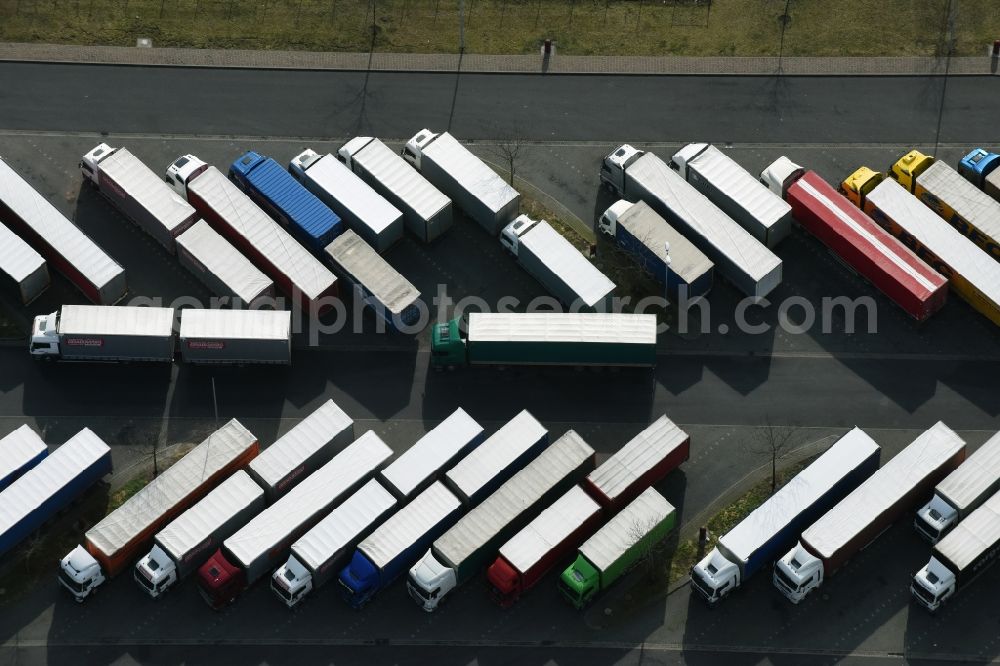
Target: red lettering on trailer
84 342
206 344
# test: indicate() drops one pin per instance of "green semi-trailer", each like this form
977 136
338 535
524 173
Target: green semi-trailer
545 338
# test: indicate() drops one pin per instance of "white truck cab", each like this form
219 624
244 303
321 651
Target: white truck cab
798 573
155 572
292 582
88 165
935 518
608 221
715 577
303 161
933 585
430 581
44 342
614 165
781 173
511 234
182 170
681 158
80 573
348 150
414 147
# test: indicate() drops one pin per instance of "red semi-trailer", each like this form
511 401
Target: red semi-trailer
871 251
557 532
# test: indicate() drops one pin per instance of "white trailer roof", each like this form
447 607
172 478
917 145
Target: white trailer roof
559 255
495 454
647 226
323 486
407 525
343 525
519 494
705 218
266 235
17 258
637 457
64 236
592 327
736 182
957 251
18 448
352 193
236 324
212 250
621 532
979 531
803 491
400 178
116 320
147 188
973 477
367 266
172 486
963 197
308 436
471 172
437 447
198 523
926 454
46 478
549 529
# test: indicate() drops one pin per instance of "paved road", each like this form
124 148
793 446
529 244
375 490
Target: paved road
573 108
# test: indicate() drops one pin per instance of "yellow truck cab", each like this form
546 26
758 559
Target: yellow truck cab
857 186
908 168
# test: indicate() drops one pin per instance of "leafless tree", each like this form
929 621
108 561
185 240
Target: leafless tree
508 148
647 551
31 547
773 442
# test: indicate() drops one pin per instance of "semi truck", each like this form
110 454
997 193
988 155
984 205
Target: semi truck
861 517
23 269
116 541
545 338
772 528
309 445
233 214
468 547
961 492
618 546
394 545
471 184
647 458
747 263
424 462
183 545
324 550
362 208
960 557
970 271
973 212
62 243
286 200
135 190
20 450
856 240
729 186
426 211
235 337
979 167
389 295
104 333
222 268
559 530
51 486
658 248
259 546
558 266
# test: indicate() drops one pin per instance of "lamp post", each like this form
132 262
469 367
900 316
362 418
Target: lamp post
666 271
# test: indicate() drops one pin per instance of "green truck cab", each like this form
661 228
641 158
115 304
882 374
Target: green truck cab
448 344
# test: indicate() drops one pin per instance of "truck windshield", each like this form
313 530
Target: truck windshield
145 582
701 585
570 592
923 593
69 582
785 580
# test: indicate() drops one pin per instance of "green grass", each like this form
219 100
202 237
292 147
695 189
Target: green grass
130 488
582 27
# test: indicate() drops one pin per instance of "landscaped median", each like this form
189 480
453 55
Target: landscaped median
578 27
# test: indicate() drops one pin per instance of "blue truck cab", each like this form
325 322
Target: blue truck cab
977 165
286 200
